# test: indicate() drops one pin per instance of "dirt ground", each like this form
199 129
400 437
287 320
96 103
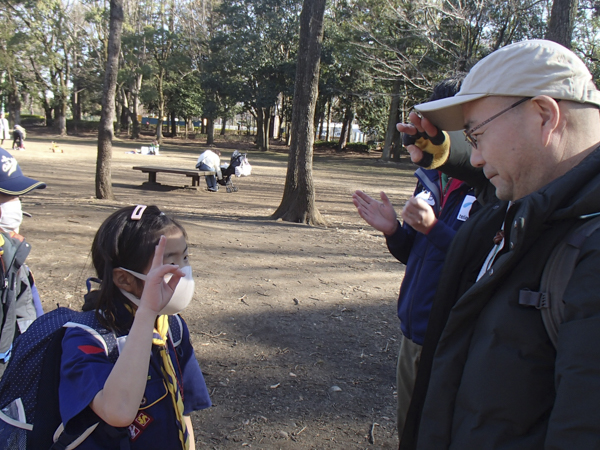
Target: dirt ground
295 327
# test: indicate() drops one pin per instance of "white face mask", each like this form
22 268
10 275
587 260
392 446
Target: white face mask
11 215
182 296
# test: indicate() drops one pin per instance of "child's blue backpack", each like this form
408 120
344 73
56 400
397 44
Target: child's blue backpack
29 411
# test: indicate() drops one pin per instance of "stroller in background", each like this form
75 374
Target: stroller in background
238 166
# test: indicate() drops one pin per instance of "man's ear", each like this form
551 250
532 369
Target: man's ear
549 112
124 280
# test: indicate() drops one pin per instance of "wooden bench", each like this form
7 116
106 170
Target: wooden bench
194 174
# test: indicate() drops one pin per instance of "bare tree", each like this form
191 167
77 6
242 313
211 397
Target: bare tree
298 202
562 22
107 117
392 120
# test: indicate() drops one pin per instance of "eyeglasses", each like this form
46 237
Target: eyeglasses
473 139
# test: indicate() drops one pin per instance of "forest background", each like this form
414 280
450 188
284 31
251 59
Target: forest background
210 59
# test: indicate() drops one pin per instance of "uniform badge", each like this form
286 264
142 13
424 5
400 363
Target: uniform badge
141 421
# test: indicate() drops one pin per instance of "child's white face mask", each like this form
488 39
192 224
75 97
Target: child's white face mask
182 296
11 215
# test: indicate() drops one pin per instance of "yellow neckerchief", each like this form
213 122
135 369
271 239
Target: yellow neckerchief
160 340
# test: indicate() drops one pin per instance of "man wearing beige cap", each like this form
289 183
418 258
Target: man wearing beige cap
490 376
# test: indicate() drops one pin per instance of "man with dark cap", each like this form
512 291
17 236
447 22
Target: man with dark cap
490 376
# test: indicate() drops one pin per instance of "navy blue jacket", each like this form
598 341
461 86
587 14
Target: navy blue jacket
424 255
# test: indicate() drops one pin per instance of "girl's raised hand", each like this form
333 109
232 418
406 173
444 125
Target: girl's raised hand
157 292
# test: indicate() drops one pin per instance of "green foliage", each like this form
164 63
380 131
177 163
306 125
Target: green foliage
326 145
253 51
83 125
358 147
587 29
185 97
372 114
422 42
28 120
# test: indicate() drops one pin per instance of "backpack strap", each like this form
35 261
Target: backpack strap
175 329
87 321
67 441
556 276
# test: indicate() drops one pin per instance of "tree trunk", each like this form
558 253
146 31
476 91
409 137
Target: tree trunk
107 117
562 22
349 127
173 124
60 115
345 125
266 128
75 97
124 119
223 126
271 125
135 108
259 128
321 120
298 201
159 133
125 115
210 131
48 110
282 118
76 107
161 106
397 146
14 101
328 120
392 120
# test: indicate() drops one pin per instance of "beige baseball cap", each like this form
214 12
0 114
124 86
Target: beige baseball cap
523 69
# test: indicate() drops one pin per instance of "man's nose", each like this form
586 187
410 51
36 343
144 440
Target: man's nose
476 158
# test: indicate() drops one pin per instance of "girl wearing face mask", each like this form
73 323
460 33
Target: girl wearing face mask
141 256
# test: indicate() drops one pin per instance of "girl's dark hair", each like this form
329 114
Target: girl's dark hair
124 242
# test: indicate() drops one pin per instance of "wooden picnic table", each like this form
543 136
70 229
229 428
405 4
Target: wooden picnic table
194 174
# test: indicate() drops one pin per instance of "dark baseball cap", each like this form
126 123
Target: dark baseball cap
12 180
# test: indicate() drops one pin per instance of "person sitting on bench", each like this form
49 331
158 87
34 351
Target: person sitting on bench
210 161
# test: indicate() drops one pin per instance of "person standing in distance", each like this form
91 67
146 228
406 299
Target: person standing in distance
5 132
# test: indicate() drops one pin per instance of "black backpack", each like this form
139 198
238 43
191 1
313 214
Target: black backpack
29 410
557 274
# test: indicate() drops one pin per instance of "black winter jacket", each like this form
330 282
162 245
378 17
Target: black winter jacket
489 377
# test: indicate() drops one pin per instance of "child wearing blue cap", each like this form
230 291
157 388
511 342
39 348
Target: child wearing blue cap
21 300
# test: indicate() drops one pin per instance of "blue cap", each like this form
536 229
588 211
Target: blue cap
12 180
